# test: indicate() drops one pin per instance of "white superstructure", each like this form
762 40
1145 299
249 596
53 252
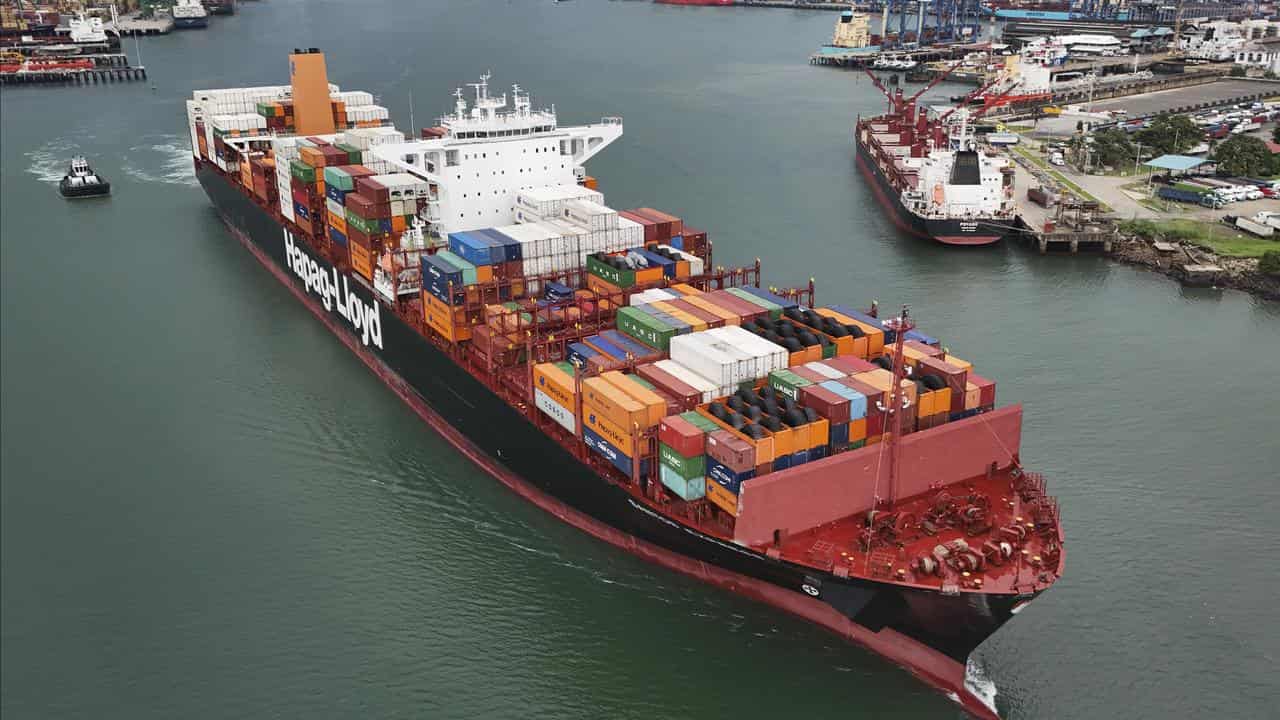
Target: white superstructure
489 154
960 180
189 10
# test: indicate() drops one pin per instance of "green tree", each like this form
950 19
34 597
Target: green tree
1113 147
1170 134
1237 71
1269 264
1275 133
1243 155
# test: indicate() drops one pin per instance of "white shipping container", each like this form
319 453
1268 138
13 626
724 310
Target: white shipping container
335 207
711 358
631 234
710 391
825 370
771 356
591 215
554 410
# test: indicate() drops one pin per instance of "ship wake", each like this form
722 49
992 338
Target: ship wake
166 161
979 685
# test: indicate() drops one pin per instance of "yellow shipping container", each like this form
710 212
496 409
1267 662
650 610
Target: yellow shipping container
338 222
611 402
972 396
556 383
962 364
942 401
729 318
654 405
720 496
619 436
819 432
453 332
926 404
361 261
686 289
857 430
882 380
874 335
677 313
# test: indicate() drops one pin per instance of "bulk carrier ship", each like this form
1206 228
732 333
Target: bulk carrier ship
927 172
824 460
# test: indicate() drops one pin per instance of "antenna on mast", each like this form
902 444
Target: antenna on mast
413 127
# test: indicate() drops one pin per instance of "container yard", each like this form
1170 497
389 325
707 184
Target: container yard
663 398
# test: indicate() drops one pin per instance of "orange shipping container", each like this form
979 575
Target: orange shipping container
556 383
685 289
679 314
602 286
874 335
619 436
336 221
398 224
611 402
361 261
311 156
484 273
720 496
723 313
649 275
857 430
653 403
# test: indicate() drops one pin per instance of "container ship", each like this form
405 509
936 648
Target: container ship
189 14
827 460
925 168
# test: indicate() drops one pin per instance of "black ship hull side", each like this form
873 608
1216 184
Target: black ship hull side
926 632
948 231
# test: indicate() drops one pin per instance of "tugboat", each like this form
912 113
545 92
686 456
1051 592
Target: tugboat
81 181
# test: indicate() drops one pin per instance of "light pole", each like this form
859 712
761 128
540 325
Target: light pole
1137 158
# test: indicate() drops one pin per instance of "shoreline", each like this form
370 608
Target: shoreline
1237 273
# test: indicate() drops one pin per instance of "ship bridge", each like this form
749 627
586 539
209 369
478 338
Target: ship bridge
484 154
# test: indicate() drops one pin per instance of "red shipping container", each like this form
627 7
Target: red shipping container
955 377
711 320
872 394
826 403
734 304
682 436
732 451
928 350
372 189
812 376
688 396
670 224
650 226
301 197
695 241
849 365
986 390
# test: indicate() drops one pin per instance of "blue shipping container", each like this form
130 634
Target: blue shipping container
510 246
337 237
628 343
677 242
857 401
301 211
800 458
818 453
607 347
384 225
606 450
687 488
476 248
668 266
681 327
839 436
730 480
922 338
775 299
782 462
335 194
579 353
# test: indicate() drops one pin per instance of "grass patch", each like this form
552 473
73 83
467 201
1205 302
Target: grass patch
1218 237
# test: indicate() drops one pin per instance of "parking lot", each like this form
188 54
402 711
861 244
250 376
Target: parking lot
1222 92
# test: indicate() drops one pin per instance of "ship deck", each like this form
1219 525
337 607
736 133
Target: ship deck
886 547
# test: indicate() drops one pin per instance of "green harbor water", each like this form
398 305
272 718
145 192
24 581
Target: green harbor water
210 509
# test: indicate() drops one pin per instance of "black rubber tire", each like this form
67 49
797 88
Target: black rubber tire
933 382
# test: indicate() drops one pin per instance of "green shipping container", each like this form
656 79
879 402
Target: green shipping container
567 367
646 328
700 421
353 153
610 274
468 270
685 467
787 383
857 444
641 382
775 310
339 178
302 171
828 351
368 227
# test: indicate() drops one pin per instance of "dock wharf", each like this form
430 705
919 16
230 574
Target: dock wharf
862 57
108 68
